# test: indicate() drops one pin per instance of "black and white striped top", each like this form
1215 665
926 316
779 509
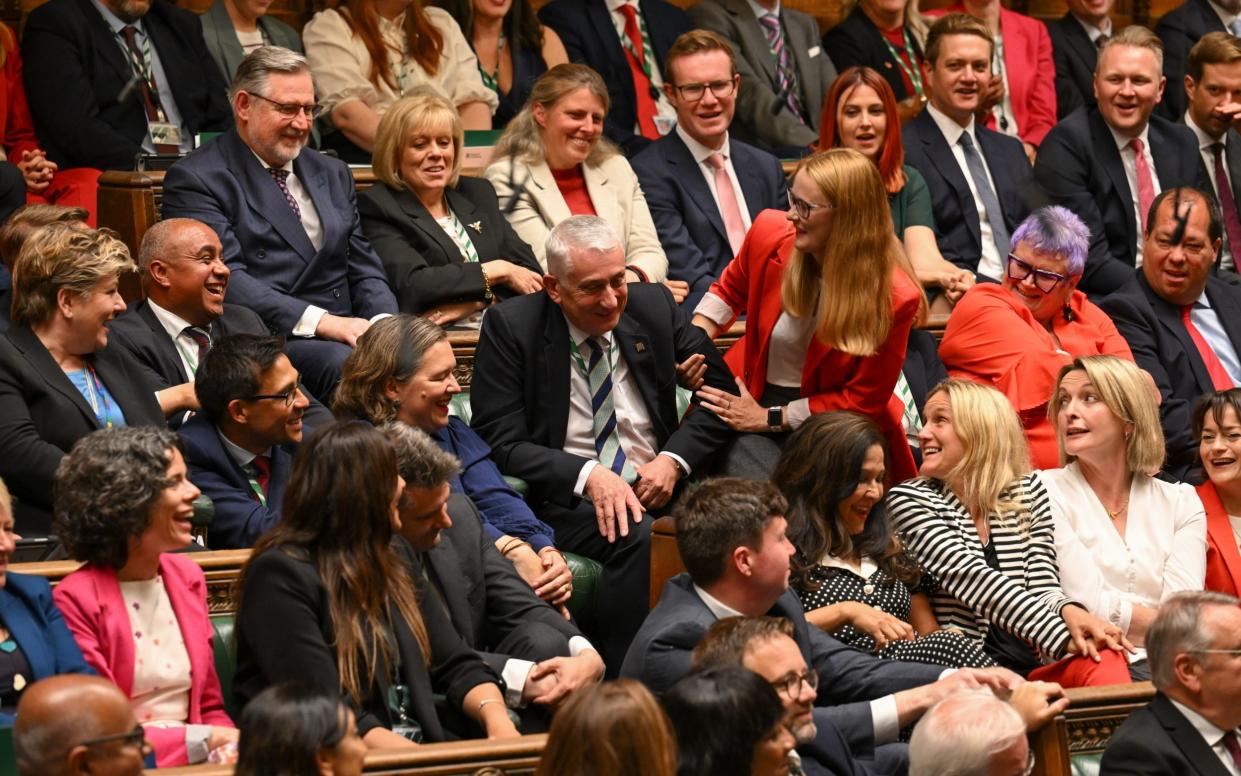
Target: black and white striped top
1024 597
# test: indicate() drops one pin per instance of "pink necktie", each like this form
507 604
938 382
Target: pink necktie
1146 185
727 198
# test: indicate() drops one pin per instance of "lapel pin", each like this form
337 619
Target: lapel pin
639 346
477 226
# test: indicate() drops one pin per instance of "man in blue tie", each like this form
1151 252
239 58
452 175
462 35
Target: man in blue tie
574 391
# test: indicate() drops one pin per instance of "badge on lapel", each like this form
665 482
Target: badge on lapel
639 346
477 226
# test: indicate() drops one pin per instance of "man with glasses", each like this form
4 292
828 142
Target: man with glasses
287 219
1191 727
71 725
239 448
1182 323
703 186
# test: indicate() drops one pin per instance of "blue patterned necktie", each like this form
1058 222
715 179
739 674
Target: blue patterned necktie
602 403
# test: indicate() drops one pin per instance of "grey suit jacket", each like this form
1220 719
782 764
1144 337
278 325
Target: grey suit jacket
222 40
754 122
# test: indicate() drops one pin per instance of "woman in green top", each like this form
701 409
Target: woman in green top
856 114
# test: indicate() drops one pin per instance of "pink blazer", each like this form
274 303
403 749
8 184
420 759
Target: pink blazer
90 600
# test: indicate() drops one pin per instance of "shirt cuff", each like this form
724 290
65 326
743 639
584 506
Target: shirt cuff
680 461
196 738
579 487
514 675
309 322
380 317
540 542
886 719
797 412
578 645
715 309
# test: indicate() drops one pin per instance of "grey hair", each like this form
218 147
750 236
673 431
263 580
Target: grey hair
253 72
960 735
1178 628
578 233
6 500
1057 231
419 461
157 241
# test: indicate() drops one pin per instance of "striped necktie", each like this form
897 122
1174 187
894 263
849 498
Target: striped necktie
786 77
602 403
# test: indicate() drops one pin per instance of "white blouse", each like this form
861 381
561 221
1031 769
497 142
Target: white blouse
161 690
1162 552
341 63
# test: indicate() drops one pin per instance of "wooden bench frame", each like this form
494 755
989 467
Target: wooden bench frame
1085 728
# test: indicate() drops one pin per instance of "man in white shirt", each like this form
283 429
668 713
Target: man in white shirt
1213 85
1191 727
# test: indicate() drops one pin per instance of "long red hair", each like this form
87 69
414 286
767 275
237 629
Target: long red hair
423 41
892 156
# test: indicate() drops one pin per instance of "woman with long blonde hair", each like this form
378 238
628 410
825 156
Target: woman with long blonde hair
828 308
979 521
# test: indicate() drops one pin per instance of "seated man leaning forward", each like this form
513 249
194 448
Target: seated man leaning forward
287 218
574 391
730 533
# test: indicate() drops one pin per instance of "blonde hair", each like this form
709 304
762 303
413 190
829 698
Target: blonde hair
523 138
63 255
1137 36
6 499
996 454
422 113
850 281
1128 394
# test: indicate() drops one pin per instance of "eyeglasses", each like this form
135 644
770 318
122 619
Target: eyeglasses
802 209
1044 280
1233 652
135 738
288 397
790 686
695 92
291 110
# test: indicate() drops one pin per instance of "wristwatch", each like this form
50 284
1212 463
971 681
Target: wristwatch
775 419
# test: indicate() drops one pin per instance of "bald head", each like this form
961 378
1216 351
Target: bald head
58 717
183 269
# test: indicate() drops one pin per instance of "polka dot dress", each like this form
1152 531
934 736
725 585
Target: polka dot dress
837 585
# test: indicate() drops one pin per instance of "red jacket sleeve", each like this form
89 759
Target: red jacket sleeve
18 126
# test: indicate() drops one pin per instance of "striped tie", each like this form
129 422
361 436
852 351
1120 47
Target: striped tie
785 76
607 439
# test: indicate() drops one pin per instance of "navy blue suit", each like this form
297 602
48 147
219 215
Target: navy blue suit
1079 166
27 610
956 215
589 36
687 217
239 517
276 270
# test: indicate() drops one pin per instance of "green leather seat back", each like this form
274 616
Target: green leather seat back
225 657
1085 764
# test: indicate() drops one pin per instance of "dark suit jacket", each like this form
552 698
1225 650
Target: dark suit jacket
239 517
923 369
687 217
848 678
589 36
1180 29
1075 57
221 37
285 633
485 596
857 41
38 627
1162 346
960 236
423 264
1232 160
42 414
276 270
520 393
1079 166
75 70
1158 740
754 121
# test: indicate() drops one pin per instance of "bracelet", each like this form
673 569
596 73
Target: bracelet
485 701
513 546
487 295
512 542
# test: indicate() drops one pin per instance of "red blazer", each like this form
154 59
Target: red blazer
993 339
832 380
94 610
1223 555
1031 72
15 122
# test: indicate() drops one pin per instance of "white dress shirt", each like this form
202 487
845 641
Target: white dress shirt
1130 161
1205 150
990 263
1094 32
1228 18
175 326
700 153
1213 735
1207 321
666 115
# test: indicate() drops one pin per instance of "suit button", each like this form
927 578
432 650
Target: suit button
336 293
261 254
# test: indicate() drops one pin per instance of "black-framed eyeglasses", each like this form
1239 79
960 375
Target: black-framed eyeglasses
288 397
802 209
291 110
1044 280
1233 652
790 686
695 92
135 738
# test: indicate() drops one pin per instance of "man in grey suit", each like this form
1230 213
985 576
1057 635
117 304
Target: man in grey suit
232 28
731 536
784 71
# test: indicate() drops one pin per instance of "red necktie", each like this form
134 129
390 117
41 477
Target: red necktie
1219 376
1234 748
642 88
150 95
1228 204
727 197
1146 184
262 471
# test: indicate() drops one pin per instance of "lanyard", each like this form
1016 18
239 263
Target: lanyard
462 238
1000 71
492 80
913 75
144 69
252 476
641 56
97 397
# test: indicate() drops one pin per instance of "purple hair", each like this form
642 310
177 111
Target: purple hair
1058 231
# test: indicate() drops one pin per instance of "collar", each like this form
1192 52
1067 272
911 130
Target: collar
1122 141
240 455
288 166
699 151
115 23
172 323
869 566
760 11
1224 15
579 337
1205 141
614 5
1092 31
397 24
717 607
1205 727
950 129
1202 302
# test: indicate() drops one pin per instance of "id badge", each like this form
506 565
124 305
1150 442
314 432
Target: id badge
410 731
664 124
163 133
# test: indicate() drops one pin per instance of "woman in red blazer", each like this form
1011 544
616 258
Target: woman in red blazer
800 356
139 613
1217 424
